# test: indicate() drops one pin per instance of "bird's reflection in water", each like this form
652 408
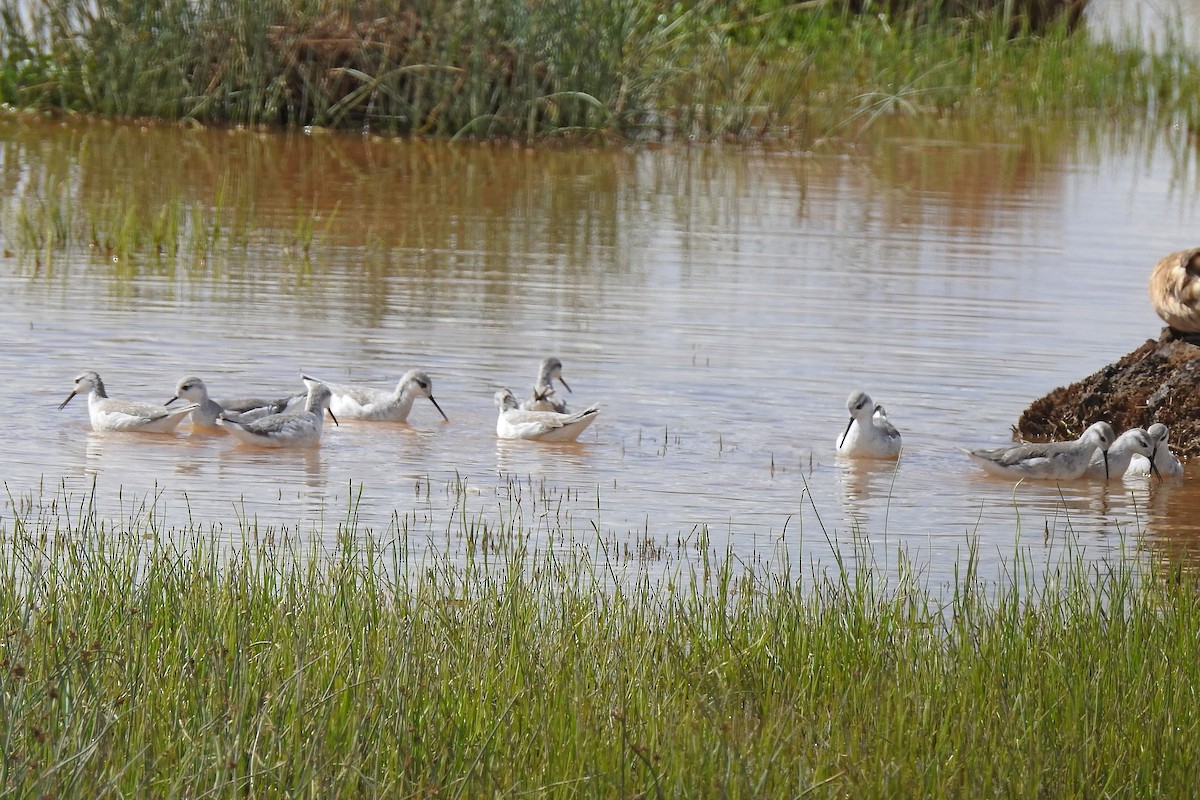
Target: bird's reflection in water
548 459
864 482
1172 524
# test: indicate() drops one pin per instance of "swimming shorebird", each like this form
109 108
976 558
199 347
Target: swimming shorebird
379 405
1175 291
242 409
1048 460
545 426
868 434
107 414
543 398
1164 460
1133 442
300 428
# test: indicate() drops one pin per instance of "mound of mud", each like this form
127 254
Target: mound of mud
1158 382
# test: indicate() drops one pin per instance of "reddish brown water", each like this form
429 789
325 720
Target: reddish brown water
719 303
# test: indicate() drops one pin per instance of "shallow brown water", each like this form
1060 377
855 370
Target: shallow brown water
719 303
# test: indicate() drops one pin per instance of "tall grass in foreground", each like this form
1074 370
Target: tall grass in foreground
512 68
144 662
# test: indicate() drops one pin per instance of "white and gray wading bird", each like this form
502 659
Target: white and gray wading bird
107 414
1133 442
1164 460
543 398
868 434
300 428
242 409
1062 461
543 426
379 405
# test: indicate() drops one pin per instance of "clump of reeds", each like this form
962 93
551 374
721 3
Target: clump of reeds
496 67
142 661
1017 16
511 68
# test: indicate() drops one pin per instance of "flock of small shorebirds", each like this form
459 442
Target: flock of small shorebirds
296 420
1099 452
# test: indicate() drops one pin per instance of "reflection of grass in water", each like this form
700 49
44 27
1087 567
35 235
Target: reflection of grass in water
130 231
504 68
142 660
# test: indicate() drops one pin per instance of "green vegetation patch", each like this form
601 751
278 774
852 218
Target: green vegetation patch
513 68
136 661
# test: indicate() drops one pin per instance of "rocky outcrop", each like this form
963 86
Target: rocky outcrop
1158 382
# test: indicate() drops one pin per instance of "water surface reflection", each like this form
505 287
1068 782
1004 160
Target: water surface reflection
719 304
1157 26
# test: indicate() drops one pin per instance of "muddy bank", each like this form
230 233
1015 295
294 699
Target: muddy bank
1158 382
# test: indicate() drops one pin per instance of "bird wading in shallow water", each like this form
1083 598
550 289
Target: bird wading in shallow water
243 409
1063 461
300 428
544 398
868 434
109 414
380 405
544 426
1133 442
1164 461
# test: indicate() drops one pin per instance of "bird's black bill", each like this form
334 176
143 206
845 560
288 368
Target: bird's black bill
439 408
842 440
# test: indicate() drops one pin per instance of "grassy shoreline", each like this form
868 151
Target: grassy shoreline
138 661
796 72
